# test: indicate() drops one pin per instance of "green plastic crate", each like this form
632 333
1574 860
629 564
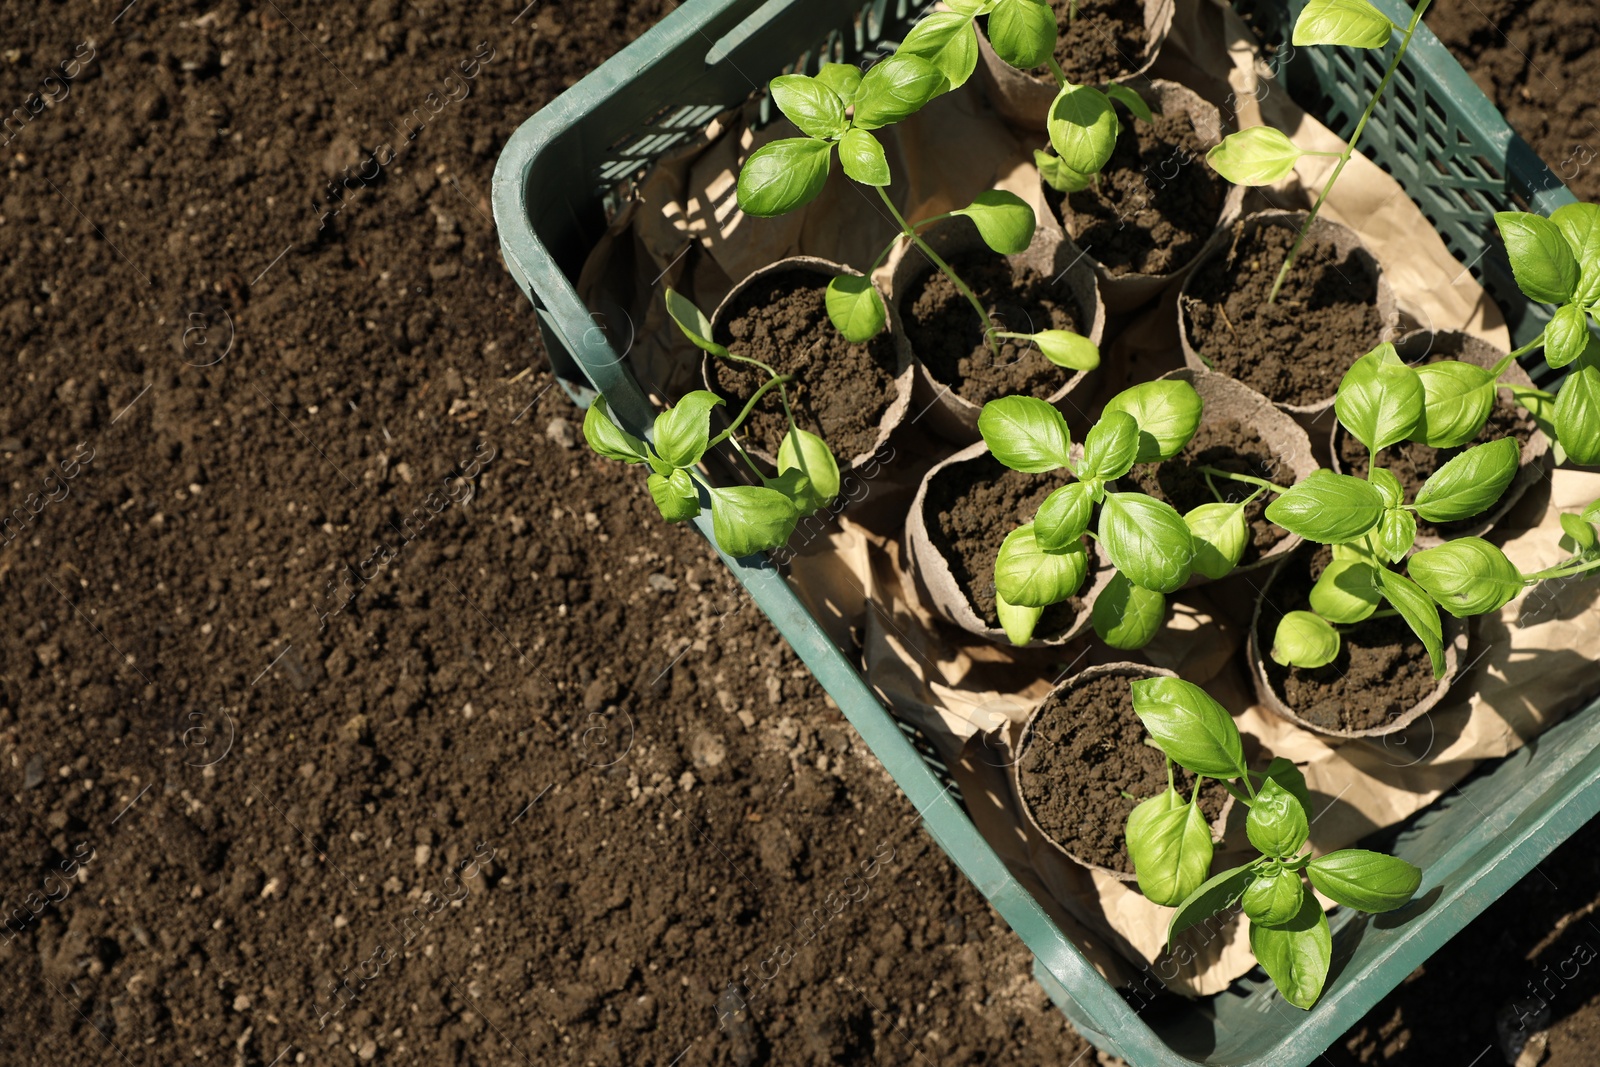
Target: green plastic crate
1438 135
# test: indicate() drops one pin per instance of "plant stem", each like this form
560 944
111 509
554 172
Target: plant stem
749 407
938 261
1349 149
1560 570
1247 801
1246 478
783 394
1055 68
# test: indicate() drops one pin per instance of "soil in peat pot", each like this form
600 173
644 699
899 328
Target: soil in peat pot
1229 445
841 390
946 335
969 510
1382 668
1084 757
1296 350
1138 218
1413 462
1097 41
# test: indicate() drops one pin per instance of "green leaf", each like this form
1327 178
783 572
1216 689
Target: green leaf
1260 155
1127 616
1541 259
862 158
674 495
1385 482
1286 774
1296 954
1328 508
1167 411
1170 845
1028 576
1004 221
695 326
783 175
1067 349
895 89
683 431
1221 533
1420 613
1397 532
1579 532
807 453
1147 540
1277 824
1215 894
1130 100
1025 433
1273 899
1110 447
1580 225
1083 128
1577 415
1456 401
1566 335
1022 32
1304 640
1380 399
1063 517
1190 727
1353 23
1591 513
948 40
810 105
855 307
746 519
1018 622
1467 576
1470 483
1059 176
1365 881
1346 593
607 438
843 78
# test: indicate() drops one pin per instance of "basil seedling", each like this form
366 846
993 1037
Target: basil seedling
1153 548
745 519
1262 155
1556 260
1382 401
1170 845
837 110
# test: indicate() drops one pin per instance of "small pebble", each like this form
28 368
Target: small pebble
559 432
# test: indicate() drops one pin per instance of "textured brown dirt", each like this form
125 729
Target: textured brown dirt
1156 202
1382 668
545 784
945 333
1293 351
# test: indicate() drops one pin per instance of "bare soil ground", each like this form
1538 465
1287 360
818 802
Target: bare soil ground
350 710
